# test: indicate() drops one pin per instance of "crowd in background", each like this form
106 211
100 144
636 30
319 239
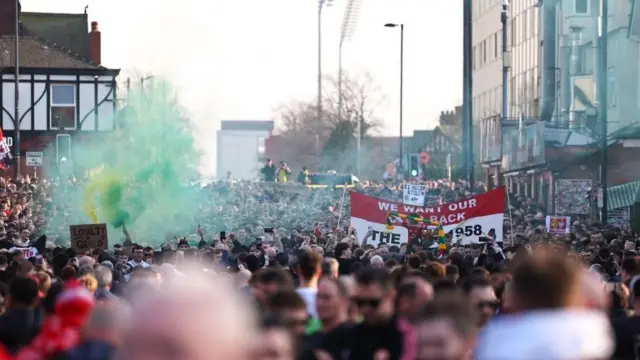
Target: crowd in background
275 271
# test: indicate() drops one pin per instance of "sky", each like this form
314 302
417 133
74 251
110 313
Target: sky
241 59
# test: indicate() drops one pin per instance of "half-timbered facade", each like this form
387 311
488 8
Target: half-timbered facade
64 94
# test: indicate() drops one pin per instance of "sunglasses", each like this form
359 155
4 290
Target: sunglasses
367 302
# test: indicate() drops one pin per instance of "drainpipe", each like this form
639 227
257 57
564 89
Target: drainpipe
548 59
575 70
565 79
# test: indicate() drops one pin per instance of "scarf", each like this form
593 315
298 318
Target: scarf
61 331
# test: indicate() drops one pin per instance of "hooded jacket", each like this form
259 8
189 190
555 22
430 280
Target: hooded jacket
547 334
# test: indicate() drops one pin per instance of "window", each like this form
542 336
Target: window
495 45
63 106
534 22
525 28
473 57
611 87
581 7
484 51
489 47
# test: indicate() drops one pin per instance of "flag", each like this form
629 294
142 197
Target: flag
5 152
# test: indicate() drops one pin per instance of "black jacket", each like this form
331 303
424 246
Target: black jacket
363 341
18 327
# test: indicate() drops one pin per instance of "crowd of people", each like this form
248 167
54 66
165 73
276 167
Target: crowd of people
275 271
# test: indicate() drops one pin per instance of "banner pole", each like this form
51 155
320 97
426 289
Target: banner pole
509 204
344 191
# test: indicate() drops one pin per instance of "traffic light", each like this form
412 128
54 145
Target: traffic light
414 165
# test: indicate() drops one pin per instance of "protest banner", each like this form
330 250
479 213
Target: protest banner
467 219
413 194
87 237
28 251
558 224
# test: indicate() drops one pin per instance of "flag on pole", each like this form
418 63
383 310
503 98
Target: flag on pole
5 152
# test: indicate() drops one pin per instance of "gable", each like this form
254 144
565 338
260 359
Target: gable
439 143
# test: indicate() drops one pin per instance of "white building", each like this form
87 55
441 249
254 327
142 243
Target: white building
241 148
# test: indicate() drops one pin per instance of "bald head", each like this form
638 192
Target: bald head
191 319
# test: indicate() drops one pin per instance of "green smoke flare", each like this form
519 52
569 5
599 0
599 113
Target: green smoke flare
143 171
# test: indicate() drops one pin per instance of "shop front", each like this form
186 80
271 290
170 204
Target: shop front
41 151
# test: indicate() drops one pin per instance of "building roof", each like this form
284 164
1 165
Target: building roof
247 125
67 30
39 53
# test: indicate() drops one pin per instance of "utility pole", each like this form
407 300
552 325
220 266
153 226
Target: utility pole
506 62
401 96
467 86
604 101
348 25
16 90
321 4
400 170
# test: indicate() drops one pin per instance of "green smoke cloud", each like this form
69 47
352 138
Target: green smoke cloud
141 171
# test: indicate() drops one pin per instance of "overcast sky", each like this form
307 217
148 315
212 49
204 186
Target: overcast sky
240 59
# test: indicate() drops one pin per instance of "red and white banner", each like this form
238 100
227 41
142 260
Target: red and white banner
468 219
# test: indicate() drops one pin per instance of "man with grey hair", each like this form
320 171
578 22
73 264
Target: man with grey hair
104 276
103 333
86 261
330 268
377 262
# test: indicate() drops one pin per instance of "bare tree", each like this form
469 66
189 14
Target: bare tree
303 134
361 98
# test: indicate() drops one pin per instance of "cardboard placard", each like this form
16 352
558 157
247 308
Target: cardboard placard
87 237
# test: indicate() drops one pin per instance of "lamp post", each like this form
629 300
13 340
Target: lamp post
400 171
467 96
348 25
321 5
603 98
506 59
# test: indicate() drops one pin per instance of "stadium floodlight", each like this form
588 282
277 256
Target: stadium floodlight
349 21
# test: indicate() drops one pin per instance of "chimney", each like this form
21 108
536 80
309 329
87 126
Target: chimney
95 44
8 17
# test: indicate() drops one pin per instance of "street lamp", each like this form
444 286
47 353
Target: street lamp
348 25
321 5
392 25
603 33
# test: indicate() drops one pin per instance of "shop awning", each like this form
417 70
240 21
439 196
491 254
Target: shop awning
624 195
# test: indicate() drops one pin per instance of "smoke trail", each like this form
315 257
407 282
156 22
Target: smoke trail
142 171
